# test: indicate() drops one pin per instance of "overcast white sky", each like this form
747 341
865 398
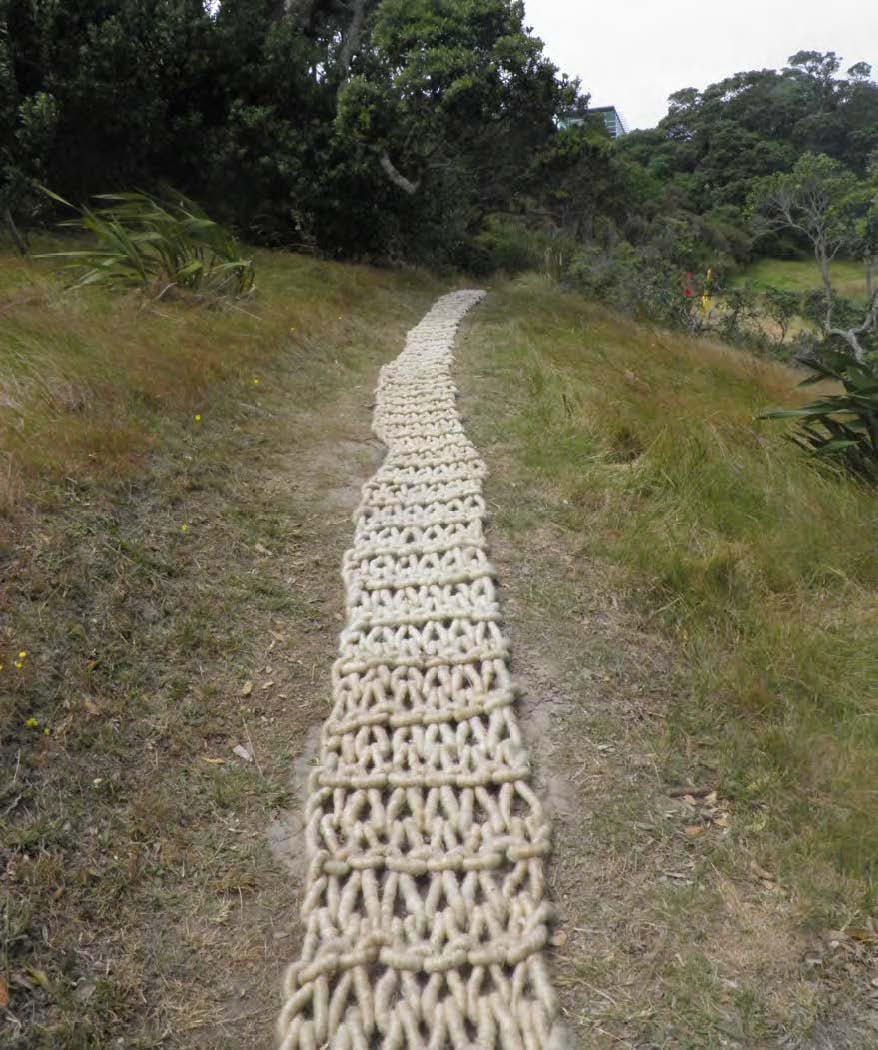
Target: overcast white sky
634 53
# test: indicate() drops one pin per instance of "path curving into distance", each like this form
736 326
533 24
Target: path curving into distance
424 911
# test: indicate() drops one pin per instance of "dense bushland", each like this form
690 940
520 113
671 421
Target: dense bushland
384 129
397 130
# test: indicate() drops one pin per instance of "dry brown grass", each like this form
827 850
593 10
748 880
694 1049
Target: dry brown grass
141 897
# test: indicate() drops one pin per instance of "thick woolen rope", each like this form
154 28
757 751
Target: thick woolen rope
424 907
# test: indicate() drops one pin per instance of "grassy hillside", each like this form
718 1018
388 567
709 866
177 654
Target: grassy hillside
637 457
177 484
765 570
167 537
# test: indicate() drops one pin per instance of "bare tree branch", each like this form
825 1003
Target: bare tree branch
352 39
396 177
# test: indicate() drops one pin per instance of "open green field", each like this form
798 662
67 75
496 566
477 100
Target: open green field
692 607
800 275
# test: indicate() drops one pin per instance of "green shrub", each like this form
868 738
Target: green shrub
511 246
782 306
504 245
639 283
840 427
158 245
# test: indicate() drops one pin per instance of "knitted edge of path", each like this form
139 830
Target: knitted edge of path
424 906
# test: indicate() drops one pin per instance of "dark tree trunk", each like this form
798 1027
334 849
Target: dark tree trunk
13 230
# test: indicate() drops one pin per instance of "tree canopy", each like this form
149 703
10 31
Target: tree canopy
357 125
395 129
713 144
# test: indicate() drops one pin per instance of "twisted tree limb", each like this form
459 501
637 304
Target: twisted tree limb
396 176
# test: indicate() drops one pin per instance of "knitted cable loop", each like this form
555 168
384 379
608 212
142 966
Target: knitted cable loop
424 913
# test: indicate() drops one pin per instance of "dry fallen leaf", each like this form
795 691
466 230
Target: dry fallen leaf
760 872
694 830
247 688
4 993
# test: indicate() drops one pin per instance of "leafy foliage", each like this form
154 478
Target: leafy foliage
840 427
713 144
389 130
781 306
157 245
834 212
399 129
723 153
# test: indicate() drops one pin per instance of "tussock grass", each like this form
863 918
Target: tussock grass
157 244
762 568
89 379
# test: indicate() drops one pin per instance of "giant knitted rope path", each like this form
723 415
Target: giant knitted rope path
424 911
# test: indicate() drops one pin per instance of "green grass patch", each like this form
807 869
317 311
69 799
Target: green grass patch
801 275
761 567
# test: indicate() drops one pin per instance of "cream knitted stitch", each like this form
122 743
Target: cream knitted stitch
424 907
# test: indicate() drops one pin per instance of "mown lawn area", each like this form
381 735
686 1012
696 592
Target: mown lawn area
801 275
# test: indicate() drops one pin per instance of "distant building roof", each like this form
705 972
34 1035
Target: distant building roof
608 115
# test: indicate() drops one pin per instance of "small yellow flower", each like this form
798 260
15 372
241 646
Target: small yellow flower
23 654
198 419
256 380
46 731
292 329
19 664
32 723
184 527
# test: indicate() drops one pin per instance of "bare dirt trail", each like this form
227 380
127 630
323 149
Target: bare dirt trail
321 477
